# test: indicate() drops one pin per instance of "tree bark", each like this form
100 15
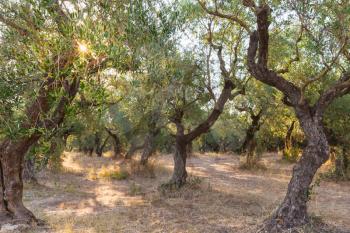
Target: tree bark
288 143
117 147
13 151
183 140
99 144
293 210
12 155
29 170
149 146
133 148
180 174
250 134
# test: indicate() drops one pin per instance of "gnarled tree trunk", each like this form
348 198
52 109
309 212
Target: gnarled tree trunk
250 134
99 145
180 174
11 159
183 140
117 146
293 210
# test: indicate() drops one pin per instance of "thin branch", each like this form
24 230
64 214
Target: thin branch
341 88
325 70
259 41
219 14
297 54
209 86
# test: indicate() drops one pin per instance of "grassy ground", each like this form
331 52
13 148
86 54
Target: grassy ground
104 195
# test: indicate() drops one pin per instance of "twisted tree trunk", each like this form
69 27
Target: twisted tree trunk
99 145
117 146
254 127
12 155
183 140
12 152
293 210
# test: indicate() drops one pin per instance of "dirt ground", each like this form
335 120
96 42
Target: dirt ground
220 197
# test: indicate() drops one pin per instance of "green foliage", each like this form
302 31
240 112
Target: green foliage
291 154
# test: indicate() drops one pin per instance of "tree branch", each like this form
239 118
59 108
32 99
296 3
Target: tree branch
219 14
259 41
297 54
341 88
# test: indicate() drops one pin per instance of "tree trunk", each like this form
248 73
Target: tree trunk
190 149
12 156
133 148
250 134
250 153
99 144
116 143
149 145
341 163
288 140
179 176
29 170
100 148
293 210
5 215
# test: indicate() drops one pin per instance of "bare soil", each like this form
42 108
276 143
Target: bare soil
219 198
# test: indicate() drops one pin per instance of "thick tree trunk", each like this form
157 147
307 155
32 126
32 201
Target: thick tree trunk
148 149
5 215
149 145
29 170
99 145
250 153
133 148
12 156
293 210
117 147
180 174
250 134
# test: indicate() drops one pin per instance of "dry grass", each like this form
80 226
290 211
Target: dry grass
219 196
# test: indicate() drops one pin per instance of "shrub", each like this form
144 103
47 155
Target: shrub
291 154
111 173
